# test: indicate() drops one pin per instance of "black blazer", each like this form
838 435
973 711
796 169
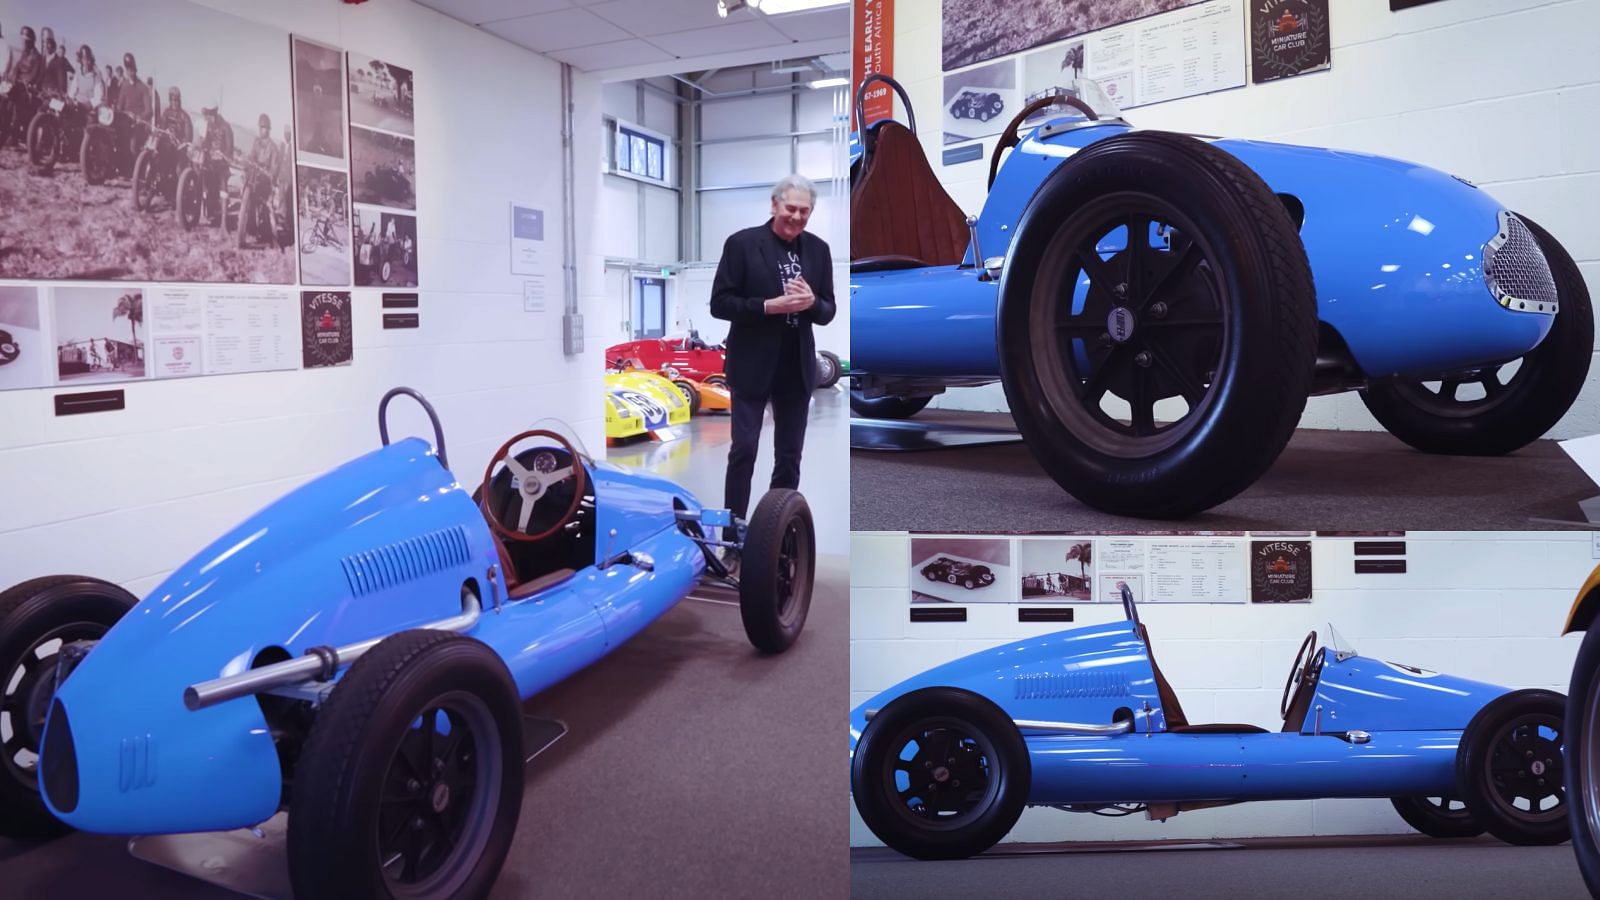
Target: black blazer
747 277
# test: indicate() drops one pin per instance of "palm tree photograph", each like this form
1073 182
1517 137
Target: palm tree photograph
99 334
1057 569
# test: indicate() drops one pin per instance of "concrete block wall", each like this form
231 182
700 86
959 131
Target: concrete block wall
1501 92
1482 605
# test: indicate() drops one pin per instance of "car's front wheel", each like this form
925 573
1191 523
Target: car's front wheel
1509 768
1157 325
410 783
1582 749
1437 817
890 407
777 568
1496 409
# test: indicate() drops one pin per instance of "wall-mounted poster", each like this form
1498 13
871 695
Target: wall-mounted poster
146 69
976 30
1280 571
961 570
325 322
1060 570
383 169
527 236
381 95
324 206
1288 38
24 359
979 102
872 48
318 103
99 334
1054 70
386 248
1197 570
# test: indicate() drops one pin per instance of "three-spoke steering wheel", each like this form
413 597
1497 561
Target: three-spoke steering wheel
534 478
1302 675
1012 135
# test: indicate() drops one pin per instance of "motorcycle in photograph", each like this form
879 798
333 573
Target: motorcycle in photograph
157 168
17 102
194 194
56 132
109 145
258 219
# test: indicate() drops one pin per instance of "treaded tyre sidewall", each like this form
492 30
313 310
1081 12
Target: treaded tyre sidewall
334 811
29 611
777 569
829 376
1473 759
886 407
875 800
1534 404
1582 790
1268 307
690 395
1426 818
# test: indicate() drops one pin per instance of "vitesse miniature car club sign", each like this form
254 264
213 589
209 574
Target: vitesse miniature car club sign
1288 38
1280 571
325 328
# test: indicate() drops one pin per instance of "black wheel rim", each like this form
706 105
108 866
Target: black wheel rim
794 570
1525 767
25 694
940 774
1114 334
1463 395
439 797
1451 809
687 392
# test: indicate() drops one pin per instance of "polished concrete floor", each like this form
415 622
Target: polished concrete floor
1327 480
693 767
1337 868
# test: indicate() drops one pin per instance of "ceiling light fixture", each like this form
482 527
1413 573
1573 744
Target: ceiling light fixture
730 6
830 82
779 7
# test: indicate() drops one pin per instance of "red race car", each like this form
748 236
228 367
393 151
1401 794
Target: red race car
691 356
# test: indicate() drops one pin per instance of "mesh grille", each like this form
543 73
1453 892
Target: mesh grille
1516 271
385 567
1068 685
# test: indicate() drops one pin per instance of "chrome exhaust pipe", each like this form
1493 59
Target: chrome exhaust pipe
1080 728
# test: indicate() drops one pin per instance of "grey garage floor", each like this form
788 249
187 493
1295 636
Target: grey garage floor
1337 868
694 767
1328 480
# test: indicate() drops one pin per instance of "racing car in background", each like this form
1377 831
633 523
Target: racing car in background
980 105
695 360
953 571
639 403
1159 306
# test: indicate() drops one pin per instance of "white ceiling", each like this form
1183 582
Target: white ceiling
618 39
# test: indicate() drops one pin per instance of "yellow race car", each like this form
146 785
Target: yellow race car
639 403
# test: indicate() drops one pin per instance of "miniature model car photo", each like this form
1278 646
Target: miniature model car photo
1082 720
1583 732
954 571
1159 306
9 348
639 403
980 105
357 653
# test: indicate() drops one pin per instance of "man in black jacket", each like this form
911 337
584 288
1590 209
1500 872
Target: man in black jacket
773 283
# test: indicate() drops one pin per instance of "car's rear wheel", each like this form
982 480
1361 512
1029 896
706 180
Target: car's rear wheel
940 773
38 619
886 407
410 783
1155 270
777 568
1497 409
1437 817
1583 758
690 395
828 369
1509 768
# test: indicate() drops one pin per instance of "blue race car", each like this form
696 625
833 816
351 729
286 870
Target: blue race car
357 653
1159 306
1082 720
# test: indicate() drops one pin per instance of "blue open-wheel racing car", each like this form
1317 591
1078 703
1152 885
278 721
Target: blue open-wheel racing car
1082 720
356 653
1159 306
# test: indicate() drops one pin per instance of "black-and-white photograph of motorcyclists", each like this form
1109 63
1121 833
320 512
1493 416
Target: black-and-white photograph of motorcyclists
383 168
99 334
319 102
386 248
324 227
380 95
125 155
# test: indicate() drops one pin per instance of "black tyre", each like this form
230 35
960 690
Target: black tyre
777 565
690 395
410 783
828 369
42 142
717 379
38 618
1583 758
1437 817
1211 310
1498 409
190 198
144 181
386 270
1509 768
967 775
886 407
9 348
94 156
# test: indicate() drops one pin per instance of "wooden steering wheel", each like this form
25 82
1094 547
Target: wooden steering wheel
532 485
1010 137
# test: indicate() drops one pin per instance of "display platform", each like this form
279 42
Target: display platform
913 434
1330 480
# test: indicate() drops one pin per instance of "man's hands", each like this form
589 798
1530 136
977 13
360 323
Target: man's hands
797 297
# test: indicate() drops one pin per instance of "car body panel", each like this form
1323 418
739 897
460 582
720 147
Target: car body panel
640 402
680 353
1584 605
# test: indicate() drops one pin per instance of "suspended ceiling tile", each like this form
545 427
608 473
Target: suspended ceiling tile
560 30
732 36
651 17
476 12
814 26
616 53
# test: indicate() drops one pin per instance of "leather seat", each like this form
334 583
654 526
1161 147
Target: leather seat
1177 722
898 208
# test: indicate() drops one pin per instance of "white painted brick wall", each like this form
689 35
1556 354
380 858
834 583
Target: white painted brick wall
1501 92
1481 605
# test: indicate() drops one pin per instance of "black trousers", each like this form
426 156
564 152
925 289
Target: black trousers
791 404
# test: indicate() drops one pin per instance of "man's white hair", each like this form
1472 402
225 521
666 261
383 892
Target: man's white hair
795 182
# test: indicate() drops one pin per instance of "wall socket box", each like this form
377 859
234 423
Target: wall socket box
572 334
